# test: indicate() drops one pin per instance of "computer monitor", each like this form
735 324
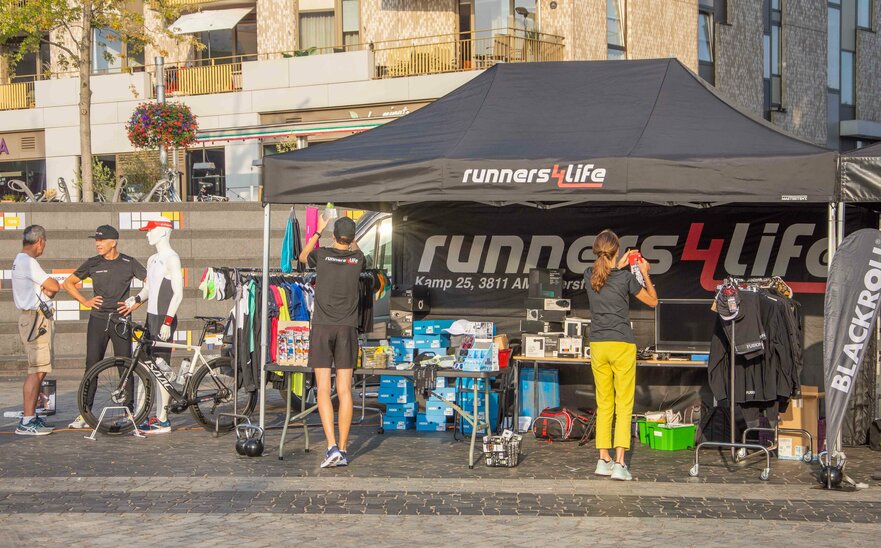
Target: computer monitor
684 326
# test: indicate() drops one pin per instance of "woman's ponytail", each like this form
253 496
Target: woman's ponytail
605 247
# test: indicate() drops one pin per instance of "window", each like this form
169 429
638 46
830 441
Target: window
31 66
106 51
705 51
367 245
864 14
847 78
351 23
833 40
615 29
206 171
385 246
773 80
316 30
229 45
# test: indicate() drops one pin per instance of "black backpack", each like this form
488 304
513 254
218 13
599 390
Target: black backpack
561 424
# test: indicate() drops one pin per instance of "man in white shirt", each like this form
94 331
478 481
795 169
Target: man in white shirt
32 288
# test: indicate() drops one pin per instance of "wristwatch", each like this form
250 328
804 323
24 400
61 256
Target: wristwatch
316 233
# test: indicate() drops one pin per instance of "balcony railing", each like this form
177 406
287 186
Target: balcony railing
216 75
458 52
16 96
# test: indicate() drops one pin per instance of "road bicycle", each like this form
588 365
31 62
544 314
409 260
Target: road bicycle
207 387
163 190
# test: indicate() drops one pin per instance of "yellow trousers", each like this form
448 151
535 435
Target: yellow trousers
614 374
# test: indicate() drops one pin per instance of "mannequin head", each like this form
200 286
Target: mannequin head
157 231
157 235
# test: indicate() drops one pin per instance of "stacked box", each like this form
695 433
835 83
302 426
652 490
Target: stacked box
401 410
431 327
404 347
396 390
466 402
393 423
431 342
425 424
448 394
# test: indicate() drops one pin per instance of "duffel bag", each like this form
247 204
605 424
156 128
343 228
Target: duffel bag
553 424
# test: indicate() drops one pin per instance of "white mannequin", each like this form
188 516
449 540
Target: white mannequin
163 266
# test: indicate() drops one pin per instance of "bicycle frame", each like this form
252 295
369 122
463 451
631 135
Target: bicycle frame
179 396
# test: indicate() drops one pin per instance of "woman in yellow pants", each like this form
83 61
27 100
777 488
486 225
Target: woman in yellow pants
613 348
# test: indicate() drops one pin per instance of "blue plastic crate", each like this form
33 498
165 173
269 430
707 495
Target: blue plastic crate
548 390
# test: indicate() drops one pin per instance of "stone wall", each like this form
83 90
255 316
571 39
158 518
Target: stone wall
804 70
662 29
868 70
581 23
383 20
739 56
277 26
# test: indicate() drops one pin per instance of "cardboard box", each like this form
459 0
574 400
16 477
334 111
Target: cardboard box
416 299
431 327
533 346
803 413
401 410
570 347
447 394
425 424
400 323
576 327
549 304
545 283
545 315
537 326
438 409
435 342
390 423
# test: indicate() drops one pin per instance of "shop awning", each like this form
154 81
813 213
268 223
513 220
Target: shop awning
565 132
204 21
861 175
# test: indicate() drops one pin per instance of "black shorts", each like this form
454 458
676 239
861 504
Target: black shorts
333 346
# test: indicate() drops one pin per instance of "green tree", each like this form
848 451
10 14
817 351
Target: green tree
67 26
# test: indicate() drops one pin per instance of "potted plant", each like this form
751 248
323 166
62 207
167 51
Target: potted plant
162 125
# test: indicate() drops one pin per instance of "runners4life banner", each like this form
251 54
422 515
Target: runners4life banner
475 259
851 309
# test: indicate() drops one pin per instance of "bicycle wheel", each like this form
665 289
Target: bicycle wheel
98 391
210 380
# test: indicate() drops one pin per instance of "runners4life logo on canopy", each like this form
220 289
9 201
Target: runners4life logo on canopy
567 176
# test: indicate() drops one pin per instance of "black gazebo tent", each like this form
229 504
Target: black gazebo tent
563 132
552 134
860 175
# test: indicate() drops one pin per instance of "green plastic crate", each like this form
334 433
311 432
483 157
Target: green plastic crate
645 429
672 438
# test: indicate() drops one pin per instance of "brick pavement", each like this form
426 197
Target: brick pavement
402 488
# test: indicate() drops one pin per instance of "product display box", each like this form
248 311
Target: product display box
545 283
563 305
430 341
576 327
537 326
545 315
441 393
400 323
401 410
438 409
403 342
391 423
541 345
466 401
292 343
803 413
396 390
570 347
431 327
415 299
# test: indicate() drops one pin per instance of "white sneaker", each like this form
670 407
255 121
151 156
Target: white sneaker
79 423
620 472
604 468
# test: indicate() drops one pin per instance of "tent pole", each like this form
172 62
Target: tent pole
839 233
264 303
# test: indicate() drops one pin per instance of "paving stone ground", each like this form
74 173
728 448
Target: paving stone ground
403 488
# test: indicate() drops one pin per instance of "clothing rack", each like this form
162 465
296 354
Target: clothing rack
733 444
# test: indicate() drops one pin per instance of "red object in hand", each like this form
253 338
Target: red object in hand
168 320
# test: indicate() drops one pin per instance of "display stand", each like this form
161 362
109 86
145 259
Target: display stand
807 457
733 444
128 414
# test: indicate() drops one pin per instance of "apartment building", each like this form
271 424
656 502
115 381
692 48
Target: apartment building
273 72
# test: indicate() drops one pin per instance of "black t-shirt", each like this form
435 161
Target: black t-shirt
610 308
336 286
111 280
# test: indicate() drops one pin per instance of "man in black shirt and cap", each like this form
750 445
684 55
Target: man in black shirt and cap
333 341
111 273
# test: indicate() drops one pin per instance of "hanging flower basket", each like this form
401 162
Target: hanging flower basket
156 125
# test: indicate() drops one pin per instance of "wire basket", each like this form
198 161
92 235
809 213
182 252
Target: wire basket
502 451
375 357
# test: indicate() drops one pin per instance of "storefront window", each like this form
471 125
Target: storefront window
31 172
206 171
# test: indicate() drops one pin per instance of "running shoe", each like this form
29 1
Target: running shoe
620 472
604 468
79 423
32 428
332 457
155 426
42 422
344 459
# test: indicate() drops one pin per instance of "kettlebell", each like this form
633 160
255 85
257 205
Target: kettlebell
240 446
243 433
831 475
254 447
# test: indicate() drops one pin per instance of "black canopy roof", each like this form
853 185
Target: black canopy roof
861 175
563 132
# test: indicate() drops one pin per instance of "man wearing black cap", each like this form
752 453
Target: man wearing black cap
111 273
333 342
